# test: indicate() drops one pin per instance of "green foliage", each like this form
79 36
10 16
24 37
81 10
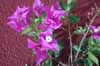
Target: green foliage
91 42
63 4
32 33
94 50
76 48
61 47
89 62
56 54
74 19
69 5
94 45
93 58
37 20
27 30
80 31
63 17
48 62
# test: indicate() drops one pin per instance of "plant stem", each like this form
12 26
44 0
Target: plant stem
50 62
70 38
57 61
63 64
81 42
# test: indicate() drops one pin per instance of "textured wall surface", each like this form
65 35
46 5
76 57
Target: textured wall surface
13 47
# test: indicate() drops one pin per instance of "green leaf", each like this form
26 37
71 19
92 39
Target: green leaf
56 54
98 48
89 62
93 58
70 1
97 51
31 33
61 47
71 4
94 46
48 62
76 48
38 31
36 37
63 5
27 30
79 31
74 19
91 42
38 20
63 17
44 15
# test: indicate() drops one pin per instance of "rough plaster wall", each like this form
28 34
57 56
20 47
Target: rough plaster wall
13 47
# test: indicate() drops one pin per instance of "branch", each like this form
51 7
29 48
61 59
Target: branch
70 38
91 21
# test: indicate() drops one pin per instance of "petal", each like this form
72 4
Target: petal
12 24
93 28
96 37
31 44
37 3
41 56
38 8
55 46
44 43
57 5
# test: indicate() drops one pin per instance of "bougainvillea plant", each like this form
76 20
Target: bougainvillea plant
46 48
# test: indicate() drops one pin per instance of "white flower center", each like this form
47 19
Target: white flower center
99 28
48 38
96 30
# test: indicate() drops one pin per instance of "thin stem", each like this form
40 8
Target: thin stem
63 64
50 62
91 21
58 61
70 38
69 60
96 7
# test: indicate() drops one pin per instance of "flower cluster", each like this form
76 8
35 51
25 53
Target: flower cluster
96 32
52 21
18 20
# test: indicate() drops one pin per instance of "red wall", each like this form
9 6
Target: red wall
13 47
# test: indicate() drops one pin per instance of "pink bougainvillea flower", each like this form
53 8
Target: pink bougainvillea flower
16 26
50 24
53 18
48 42
58 12
40 53
57 6
20 14
18 20
96 31
38 8
51 12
